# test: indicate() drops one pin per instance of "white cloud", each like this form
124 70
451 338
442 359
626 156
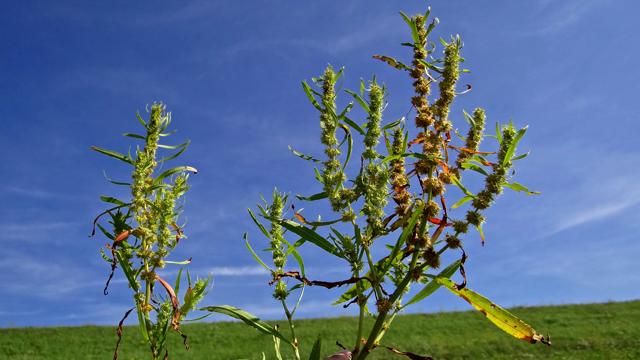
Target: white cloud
238 271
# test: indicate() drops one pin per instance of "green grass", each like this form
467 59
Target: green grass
592 331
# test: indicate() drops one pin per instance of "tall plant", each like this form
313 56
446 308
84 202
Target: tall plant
145 231
415 180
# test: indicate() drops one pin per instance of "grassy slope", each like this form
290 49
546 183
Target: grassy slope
593 331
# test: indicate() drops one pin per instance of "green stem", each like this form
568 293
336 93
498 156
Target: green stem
361 304
293 331
377 327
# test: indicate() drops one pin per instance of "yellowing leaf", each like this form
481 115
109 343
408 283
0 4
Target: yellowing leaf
499 316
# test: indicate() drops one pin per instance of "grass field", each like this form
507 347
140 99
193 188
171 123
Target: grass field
591 331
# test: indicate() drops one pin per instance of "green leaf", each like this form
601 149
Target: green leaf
141 121
462 201
307 234
112 200
413 155
105 256
306 157
176 287
254 254
498 133
500 317
249 319
403 237
431 66
114 182
390 125
457 183
521 156
167 134
322 195
414 29
431 26
432 286
315 351
346 110
173 171
113 154
337 76
308 91
318 176
300 262
155 187
353 125
474 167
262 228
514 143
136 136
518 187
128 272
362 103
105 232
184 147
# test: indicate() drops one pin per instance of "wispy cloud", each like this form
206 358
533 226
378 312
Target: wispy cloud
31 192
35 231
238 271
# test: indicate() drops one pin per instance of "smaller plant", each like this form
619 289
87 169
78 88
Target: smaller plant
427 227
145 231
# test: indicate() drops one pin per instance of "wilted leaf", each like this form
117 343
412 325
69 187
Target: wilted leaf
502 318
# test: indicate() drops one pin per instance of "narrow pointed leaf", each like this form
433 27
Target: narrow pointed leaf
259 225
135 136
141 121
337 76
177 284
113 154
431 66
173 147
499 316
518 187
112 200
308 91
362 103
393 62
462 201
457 183
249 319
173 171
514 143
306 157
353 125
307 234
114 182
392 124
475 167
255 256
403 237
432 286
167 134
521 156
319 196
315 351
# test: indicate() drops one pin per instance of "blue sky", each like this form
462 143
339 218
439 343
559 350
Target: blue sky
73 75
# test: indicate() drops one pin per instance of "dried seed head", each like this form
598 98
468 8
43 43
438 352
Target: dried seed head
475 218
383 305
432 258
453 241
460 227
432 209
